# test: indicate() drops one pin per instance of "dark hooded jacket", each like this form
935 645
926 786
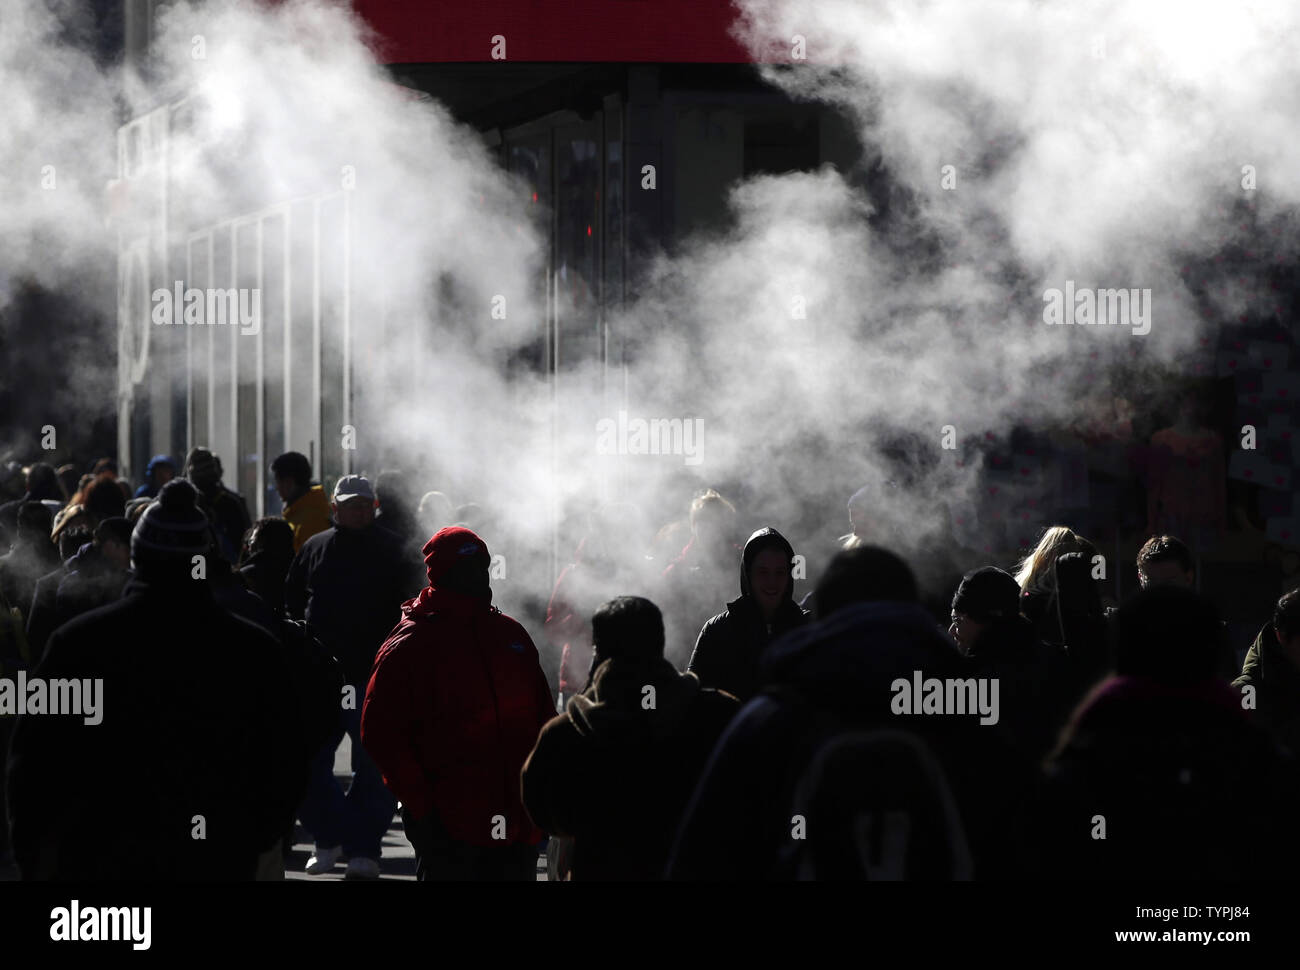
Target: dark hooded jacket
727 650
616 776
821 681
175 741
1277 688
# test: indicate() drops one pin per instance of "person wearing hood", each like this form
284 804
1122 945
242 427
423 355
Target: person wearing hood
306 507
160 470
454 705
729 645
614 772
196 746
946 786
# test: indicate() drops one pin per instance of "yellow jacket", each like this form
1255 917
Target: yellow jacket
308 515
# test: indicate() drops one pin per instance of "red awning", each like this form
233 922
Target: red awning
559 31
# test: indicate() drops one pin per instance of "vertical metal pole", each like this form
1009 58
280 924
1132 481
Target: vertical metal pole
211 429
287 311
260 434
347 322
315 336
189 356
233 440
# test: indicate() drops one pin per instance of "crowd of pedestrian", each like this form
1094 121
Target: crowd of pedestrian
704 723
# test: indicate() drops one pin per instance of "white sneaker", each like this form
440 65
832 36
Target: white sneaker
362 868
324 860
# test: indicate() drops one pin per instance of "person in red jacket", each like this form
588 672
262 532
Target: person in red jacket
455 702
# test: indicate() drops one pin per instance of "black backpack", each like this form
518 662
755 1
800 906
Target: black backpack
874 802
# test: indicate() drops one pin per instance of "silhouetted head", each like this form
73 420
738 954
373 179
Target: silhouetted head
353 503
104 499
113 537
1165 561
292 474
203 468
70 540
35 522
170 533
1286 622
435 512
458 560
43 483
985 597
271 538
627 627
393 492
862 575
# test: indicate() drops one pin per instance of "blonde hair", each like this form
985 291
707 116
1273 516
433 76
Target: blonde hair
711 505
1035 570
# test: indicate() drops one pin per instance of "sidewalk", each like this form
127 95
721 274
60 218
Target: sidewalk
398 861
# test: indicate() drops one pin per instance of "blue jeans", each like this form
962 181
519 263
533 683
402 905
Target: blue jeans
358 820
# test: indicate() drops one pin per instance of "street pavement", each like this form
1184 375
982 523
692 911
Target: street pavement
398 861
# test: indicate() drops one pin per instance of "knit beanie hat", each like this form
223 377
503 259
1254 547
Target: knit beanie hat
202 467
987 594
172 528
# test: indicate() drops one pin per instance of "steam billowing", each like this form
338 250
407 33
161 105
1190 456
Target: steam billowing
920 306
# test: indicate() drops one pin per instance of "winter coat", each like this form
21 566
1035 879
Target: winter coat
1159 768
1277 688
822 681
348 584
264 574
175 742
1035 688
27 562
92 581
307 515
729 645
1070 617
615 775
690 589
451 711
229 517
41 617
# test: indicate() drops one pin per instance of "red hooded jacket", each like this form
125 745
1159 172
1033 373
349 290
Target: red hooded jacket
455 702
